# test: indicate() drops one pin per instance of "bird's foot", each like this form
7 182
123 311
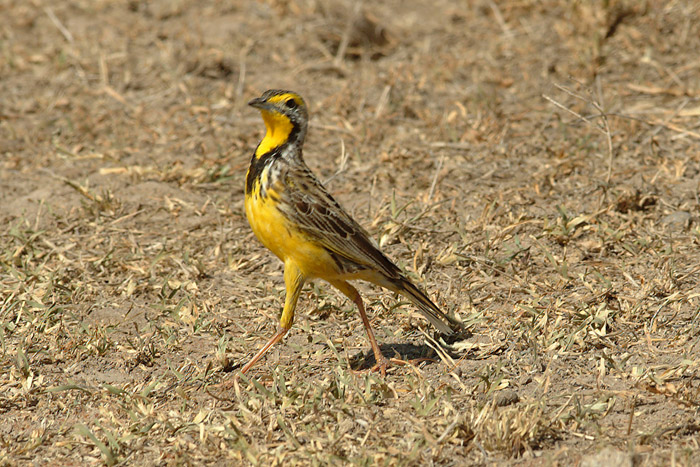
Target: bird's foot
228 383
382 365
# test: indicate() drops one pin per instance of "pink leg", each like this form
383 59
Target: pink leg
228 384
294 282
352 293
273 340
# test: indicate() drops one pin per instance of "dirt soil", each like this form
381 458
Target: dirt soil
533 165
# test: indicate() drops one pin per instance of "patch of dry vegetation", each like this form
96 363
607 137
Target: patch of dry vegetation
540 180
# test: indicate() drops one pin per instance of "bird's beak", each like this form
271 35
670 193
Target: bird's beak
259 103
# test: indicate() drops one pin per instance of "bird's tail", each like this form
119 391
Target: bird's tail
426 306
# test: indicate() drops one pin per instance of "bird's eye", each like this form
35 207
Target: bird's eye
291 103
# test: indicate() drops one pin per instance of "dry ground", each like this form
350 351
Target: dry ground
533 164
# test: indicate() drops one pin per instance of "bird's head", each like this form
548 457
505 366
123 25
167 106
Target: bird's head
285 116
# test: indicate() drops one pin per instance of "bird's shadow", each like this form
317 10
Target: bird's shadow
402 351
407 352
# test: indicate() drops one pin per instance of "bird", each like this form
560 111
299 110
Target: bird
295 217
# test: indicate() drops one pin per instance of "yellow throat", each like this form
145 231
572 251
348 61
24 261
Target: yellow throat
278 126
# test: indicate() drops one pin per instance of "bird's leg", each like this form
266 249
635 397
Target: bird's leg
352 293
381 360
281 331
294 282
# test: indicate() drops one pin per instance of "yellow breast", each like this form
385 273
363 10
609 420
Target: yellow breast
281 237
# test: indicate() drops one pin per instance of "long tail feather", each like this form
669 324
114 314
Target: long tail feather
426 306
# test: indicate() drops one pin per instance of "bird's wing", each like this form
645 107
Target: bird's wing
313 210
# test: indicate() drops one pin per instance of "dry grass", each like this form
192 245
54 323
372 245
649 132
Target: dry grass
533 164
